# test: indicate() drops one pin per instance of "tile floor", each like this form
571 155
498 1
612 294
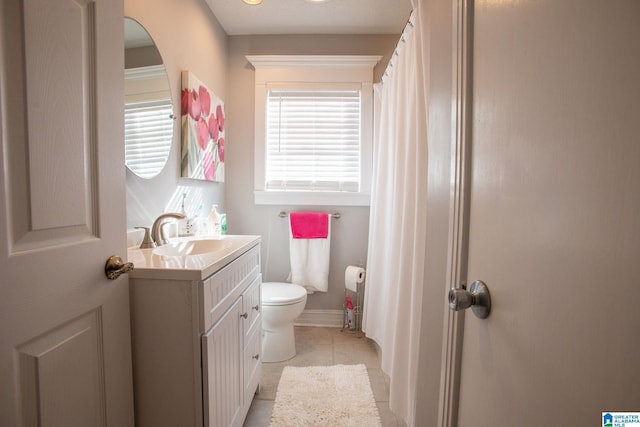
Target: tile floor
320 347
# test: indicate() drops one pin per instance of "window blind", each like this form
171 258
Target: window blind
148 130
313 140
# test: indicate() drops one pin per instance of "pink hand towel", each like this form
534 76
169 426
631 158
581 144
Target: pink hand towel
309 225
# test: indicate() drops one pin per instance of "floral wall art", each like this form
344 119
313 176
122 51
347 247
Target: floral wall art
202 131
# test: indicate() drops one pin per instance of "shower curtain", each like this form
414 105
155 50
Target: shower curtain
397 230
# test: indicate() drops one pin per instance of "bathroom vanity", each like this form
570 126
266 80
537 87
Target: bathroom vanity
196 330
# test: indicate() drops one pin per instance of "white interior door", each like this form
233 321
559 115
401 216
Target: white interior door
554 213
64 328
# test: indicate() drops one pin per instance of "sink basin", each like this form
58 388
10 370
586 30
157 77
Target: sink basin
192 247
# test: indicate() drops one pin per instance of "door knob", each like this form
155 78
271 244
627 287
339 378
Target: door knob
115 267
477 297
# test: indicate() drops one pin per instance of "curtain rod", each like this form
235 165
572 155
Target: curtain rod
335 215
408 26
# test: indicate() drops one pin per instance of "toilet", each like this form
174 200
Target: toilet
282 303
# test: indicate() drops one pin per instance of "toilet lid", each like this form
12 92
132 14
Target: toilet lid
275 293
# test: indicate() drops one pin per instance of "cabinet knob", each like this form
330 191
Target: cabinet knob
256 307
257 357
245 315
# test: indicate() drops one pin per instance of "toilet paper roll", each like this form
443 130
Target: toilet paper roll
353 276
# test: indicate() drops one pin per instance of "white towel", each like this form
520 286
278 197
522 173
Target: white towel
310 262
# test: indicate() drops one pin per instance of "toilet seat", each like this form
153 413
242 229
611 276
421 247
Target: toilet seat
278 293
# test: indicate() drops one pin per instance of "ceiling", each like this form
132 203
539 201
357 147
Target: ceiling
308 17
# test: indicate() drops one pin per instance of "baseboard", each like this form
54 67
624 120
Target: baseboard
325 318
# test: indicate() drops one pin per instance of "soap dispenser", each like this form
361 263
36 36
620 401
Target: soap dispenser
215 222
202 223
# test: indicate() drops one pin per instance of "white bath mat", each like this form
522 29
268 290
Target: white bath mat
327 396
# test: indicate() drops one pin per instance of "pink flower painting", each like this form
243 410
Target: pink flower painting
202 131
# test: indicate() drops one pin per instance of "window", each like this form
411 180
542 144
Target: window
313 129
313 140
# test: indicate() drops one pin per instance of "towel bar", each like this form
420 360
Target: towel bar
335 215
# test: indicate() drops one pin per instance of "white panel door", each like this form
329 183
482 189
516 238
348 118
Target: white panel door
554 213
65 357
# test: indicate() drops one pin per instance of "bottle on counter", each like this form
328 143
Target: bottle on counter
202 223
215 222
223 223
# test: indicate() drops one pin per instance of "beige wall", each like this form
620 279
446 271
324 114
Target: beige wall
188 37
350 232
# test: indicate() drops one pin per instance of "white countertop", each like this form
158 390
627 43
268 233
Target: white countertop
150 265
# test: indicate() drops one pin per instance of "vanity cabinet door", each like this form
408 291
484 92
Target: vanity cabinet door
251 305
222 370
252 340
252 365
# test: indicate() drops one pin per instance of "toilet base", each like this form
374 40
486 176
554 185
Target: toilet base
278 344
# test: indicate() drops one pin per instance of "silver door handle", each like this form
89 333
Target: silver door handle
477 297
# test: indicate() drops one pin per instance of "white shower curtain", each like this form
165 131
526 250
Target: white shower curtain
397 230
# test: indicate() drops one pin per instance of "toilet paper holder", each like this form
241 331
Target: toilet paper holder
357 274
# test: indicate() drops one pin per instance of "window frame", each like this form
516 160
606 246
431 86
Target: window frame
324 70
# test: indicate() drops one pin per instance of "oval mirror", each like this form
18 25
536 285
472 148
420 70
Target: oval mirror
148 108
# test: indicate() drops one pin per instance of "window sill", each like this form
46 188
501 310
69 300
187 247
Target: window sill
311 198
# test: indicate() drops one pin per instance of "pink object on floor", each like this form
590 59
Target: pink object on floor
309 225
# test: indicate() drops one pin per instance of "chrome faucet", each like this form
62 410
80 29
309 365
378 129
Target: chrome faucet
157 233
